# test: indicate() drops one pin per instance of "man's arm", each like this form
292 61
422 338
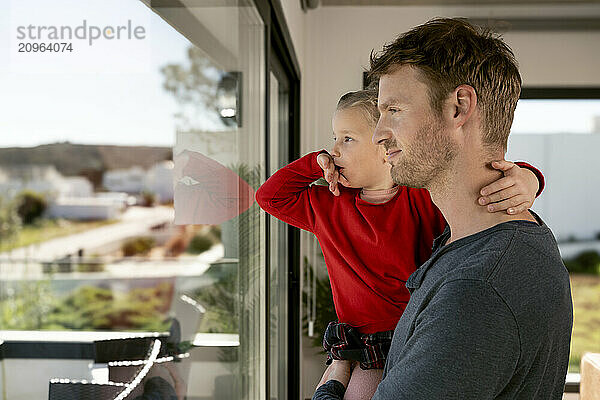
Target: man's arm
286 194
463 345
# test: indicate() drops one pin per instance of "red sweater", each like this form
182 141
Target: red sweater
370 249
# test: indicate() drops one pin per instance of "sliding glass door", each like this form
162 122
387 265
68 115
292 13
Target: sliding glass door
279 111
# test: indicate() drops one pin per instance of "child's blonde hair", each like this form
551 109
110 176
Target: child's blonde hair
366 100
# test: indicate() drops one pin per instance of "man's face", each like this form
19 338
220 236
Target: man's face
415 137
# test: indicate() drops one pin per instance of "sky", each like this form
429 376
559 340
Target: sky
111 92
107 93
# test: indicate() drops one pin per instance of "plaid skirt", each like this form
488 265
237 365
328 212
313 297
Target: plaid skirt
343 342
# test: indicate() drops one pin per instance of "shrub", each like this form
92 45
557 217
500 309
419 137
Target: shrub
215 231
93 263
220 300
30 206
199 244
95 308
148 199
90 267
325 309
140 245
587 262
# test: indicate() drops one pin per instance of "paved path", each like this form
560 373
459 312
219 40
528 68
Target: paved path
135 221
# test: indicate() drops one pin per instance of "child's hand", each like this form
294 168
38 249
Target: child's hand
330 173
515 192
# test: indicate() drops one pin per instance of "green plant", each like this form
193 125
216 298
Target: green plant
325 309
93 263
137 246
148 198
587 262
94 308
199 244
215 231
220 300
90 267
31 206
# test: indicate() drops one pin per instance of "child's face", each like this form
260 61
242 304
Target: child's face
361 162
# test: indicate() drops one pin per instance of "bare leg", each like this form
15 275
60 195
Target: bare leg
363 384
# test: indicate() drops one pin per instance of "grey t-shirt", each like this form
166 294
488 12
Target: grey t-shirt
489 317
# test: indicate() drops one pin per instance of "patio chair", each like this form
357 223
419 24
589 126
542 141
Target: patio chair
132 359
65 389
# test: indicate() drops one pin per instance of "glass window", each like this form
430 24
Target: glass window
128 167
279 249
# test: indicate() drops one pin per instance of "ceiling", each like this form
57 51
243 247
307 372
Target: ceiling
449 2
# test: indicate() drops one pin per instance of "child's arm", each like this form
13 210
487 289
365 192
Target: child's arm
334 382
516 191
286 195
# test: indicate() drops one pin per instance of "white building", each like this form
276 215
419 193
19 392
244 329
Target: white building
68 197
78 186
84 208
130 180
38 178
158 180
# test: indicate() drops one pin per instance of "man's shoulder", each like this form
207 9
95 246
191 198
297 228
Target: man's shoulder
516 250
522 264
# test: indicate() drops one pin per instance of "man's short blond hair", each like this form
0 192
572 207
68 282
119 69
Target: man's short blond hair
450 52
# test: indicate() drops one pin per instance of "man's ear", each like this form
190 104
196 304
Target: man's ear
464 102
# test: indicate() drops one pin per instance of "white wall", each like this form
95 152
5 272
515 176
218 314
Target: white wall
340 39
569 163
296 22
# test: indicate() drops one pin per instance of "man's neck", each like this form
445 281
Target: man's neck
456 196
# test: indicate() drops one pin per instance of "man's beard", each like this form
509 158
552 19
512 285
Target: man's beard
424 162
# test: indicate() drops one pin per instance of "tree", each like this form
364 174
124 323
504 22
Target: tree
31 206
194 87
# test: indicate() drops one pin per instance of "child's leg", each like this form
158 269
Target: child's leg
363 383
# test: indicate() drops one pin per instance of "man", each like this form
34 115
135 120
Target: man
490 313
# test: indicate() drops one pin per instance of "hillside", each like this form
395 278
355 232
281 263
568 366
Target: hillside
71 159
85 160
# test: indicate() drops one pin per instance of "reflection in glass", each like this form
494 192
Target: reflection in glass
94 245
